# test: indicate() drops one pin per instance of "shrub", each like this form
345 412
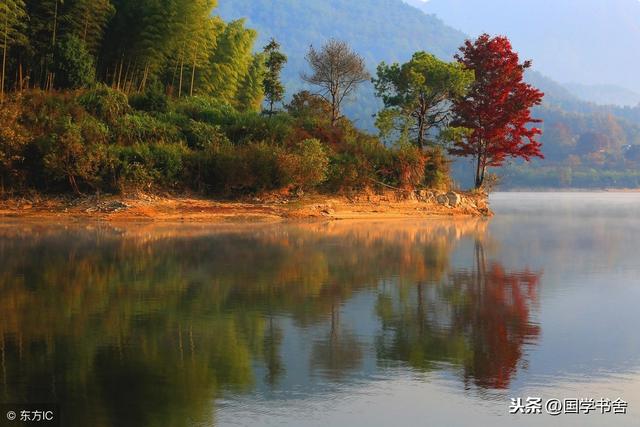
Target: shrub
67 156
360 162
265 169
253 127
140 166
154 99
223 169
308 166
201 135
409 166
127 167
13 139
251 168
144 128
74 68
93 130
436 173
206 109
42 111
167 163
105 103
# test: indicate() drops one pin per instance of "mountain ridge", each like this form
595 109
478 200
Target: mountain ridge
590 42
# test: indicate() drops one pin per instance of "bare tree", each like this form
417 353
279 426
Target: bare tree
337 72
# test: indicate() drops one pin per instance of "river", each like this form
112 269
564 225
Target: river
348 323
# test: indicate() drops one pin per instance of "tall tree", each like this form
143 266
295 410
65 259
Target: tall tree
230 63
12 15
497 108
337 71
273 87
195 43
142 36
251 92
417 95
87 20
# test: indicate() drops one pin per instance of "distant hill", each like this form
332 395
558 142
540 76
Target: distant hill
379 30
391 30
604 94
590 42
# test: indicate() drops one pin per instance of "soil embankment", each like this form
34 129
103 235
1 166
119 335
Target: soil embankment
266 209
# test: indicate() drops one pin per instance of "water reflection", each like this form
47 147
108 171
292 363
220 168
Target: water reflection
478 319
151 326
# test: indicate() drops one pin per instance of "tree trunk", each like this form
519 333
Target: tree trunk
193 76
120 73
55 25
478 167
4 55
74 185
335 108
421 131
181 73
20 77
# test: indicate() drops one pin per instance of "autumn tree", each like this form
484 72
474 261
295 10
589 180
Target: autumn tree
337 71
417 95
273 87
497 109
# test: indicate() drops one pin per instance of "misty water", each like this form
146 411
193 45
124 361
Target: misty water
369 323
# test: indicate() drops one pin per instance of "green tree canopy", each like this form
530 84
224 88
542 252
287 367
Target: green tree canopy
417 95
273 87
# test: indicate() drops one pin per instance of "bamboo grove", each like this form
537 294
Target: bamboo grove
178 44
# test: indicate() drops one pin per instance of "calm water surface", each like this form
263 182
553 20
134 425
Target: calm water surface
403 323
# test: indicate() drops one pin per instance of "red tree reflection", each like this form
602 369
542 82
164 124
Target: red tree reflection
479 319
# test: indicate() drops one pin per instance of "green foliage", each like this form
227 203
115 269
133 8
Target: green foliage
87 20
153 99
12 32
73 66
13 139
361 162
231 64
417 96
68 156
105 103
244 128
308 166
251 93
409 166
436 173
93 141
142 127
206 109
273 88
201 135
141 166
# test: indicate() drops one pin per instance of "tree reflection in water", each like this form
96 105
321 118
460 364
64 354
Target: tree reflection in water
478 319
149 326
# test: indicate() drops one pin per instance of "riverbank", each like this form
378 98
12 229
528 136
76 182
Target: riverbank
270 208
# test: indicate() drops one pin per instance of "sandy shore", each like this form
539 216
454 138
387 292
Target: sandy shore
268 209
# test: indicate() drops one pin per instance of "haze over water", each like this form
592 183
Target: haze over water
376 323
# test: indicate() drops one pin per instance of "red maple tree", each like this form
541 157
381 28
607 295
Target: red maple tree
497 108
